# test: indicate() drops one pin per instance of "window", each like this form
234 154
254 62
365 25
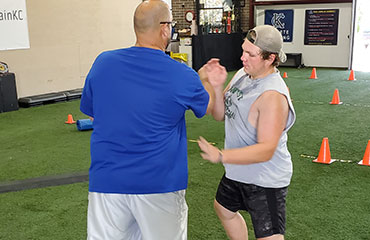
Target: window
213 15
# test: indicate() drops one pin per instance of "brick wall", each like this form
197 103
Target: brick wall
245 17
179 7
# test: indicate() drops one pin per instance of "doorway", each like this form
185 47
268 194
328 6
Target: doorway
361 42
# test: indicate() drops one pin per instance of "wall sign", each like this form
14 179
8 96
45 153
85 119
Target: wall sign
13 25
283 21
321 27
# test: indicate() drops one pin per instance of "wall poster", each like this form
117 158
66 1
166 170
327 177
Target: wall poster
321 27
283 21
13 25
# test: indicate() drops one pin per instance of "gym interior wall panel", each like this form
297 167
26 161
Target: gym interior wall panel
65 37
316 55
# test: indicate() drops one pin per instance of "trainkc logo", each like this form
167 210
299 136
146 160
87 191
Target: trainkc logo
13 15
276 20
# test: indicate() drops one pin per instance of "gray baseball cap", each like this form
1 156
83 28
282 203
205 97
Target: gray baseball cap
267 38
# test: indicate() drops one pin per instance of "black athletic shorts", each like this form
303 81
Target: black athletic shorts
265 205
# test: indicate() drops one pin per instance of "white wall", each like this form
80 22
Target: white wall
65 37
316 55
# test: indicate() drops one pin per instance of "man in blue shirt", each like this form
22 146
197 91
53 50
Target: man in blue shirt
138 97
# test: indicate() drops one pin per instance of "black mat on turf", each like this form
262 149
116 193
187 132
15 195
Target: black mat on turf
49 98
41 182
42 99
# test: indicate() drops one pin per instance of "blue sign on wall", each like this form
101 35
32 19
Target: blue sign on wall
283 21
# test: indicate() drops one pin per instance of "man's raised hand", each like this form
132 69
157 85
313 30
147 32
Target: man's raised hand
216 73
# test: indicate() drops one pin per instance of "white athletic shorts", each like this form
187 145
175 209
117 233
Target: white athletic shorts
137 217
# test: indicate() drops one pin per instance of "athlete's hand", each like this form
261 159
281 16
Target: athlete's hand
203 73
209 152
216 73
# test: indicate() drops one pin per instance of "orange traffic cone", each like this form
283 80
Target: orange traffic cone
324 154
335 100
285 75
366 160
351 76
313 74
70 119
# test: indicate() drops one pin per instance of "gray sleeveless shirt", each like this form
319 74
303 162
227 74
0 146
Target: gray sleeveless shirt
243 92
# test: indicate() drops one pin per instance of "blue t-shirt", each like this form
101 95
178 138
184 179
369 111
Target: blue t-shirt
138 98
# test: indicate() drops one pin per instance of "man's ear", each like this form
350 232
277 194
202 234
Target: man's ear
164 32
272 58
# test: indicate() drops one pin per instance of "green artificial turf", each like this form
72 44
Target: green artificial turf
45 213
324 201
36 142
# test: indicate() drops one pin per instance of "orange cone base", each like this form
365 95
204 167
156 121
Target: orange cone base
313 74
331 161
352 76
70 119
366 159
362 163
336 103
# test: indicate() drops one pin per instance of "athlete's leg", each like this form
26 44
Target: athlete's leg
273 237
161 216
233 222
109 217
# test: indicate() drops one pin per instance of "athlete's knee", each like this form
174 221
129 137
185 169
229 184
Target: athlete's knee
222 212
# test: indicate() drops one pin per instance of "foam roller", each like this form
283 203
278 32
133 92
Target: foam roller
84 124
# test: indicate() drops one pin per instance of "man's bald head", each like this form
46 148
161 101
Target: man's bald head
149 14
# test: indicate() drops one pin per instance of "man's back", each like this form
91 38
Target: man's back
138 97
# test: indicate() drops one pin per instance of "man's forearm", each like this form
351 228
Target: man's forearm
218 110
211 94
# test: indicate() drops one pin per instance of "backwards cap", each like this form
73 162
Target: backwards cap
267 38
